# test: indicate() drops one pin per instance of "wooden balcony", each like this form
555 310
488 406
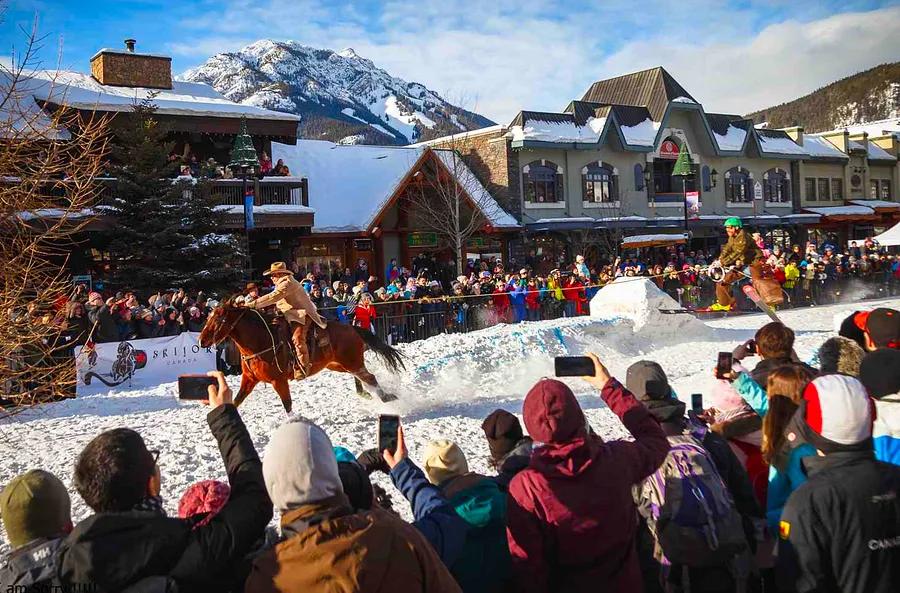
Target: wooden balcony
279 202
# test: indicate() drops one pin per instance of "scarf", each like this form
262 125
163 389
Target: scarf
151 504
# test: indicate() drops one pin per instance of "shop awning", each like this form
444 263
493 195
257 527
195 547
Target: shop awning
660 240
852 213
890 237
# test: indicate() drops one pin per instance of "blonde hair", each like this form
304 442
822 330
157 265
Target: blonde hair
784 389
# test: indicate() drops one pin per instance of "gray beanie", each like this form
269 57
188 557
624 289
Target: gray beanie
299 466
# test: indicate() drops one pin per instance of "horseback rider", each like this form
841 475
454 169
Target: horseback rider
294 303
740 250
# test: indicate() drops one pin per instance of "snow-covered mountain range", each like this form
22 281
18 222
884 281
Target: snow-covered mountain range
340 96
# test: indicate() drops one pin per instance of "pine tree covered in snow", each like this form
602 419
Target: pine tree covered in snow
166 231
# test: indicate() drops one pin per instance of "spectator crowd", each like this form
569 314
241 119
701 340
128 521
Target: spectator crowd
787 482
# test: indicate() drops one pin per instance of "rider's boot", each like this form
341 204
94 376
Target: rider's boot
301 370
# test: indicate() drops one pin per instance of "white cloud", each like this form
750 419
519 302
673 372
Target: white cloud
782 62
507 55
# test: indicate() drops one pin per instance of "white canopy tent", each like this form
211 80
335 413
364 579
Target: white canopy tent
890 237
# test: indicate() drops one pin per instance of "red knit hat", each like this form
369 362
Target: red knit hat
838 411
551 412
208 496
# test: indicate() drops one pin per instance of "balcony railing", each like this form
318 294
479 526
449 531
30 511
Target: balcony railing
268 191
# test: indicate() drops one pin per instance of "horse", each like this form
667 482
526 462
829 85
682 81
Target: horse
267 356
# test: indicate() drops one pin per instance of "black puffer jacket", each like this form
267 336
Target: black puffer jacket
840 530
111 551
32 567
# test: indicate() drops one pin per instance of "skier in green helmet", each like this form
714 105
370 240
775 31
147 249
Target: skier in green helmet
739 251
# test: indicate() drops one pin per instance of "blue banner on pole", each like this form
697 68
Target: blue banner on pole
248 211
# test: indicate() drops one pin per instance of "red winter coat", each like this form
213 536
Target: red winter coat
533 298
571 519
500 299
364 316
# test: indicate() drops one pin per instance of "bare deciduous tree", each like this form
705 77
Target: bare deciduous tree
48 164
450 201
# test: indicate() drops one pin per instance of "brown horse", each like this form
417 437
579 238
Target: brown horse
267 357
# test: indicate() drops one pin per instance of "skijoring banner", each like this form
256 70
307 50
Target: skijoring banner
137 364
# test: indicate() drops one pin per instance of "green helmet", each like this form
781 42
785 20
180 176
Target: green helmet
735 222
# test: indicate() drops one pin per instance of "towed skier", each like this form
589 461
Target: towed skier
739 251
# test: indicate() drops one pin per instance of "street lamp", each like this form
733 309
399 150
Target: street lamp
245 163
684 168
714 177
648 176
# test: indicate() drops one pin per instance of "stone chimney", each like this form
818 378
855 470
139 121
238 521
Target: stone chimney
117 67
841 139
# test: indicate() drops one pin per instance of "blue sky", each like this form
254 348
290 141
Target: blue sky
500 56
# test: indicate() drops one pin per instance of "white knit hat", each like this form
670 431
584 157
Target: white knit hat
444 460
299 466
838 410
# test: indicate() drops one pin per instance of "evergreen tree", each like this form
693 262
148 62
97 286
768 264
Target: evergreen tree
166 230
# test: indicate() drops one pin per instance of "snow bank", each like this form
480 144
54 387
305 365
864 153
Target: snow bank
640 301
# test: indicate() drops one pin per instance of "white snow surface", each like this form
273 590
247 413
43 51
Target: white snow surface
819 146
559 131
733 139
639 302
779 145
350 184
450 384
643 134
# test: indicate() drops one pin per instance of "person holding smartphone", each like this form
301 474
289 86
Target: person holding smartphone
570 516
130 538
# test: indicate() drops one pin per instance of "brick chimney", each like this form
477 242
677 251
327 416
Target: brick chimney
125 67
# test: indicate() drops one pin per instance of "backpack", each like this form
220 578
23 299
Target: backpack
689 510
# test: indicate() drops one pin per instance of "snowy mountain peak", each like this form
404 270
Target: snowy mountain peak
338 94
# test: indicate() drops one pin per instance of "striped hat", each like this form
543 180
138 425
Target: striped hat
838 412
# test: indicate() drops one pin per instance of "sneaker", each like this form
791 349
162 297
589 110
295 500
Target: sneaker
720 307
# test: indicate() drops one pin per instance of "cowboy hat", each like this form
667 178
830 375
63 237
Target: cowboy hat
278 267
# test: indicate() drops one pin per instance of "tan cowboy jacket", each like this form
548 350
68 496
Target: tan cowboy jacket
292 300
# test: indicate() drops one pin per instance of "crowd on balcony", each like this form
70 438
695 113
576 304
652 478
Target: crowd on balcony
788 481
191 166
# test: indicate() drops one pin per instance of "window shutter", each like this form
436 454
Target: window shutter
638 177
704 174
559 188
614 188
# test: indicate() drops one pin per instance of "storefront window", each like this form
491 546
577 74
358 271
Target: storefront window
542 182
776 186
325 258
599 184
738 185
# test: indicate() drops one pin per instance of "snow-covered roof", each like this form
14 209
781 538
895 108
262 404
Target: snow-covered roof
733 139
777 142
479 194
842 210
883 127
876 203
559 131
820 147
349 185
20 116
659 239
565 219
643 133
81 91
879 154
461 136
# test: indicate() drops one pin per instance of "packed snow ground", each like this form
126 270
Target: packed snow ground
451 383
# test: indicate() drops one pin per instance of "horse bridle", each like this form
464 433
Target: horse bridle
246 357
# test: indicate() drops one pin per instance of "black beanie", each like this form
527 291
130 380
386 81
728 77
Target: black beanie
503 431
356 485
880 372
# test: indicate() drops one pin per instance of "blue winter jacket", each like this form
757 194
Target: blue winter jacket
434 516
516 294
782 482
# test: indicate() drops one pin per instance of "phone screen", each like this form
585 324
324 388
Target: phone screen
387 432
573 366
724 364
193 387
697 402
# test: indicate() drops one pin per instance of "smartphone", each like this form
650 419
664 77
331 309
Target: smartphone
193 387
388 425
724 364
697 403
573 366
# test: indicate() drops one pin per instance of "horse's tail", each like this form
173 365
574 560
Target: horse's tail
391 356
